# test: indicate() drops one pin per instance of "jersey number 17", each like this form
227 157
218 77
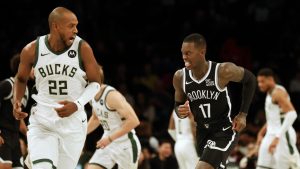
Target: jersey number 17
205 109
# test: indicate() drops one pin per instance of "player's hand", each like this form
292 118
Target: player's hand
67 109
273 145
239 122
1 140
184 110
103 142
17 111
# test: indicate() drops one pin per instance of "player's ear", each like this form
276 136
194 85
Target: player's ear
202 51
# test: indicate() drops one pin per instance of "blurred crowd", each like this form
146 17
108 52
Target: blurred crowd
138 43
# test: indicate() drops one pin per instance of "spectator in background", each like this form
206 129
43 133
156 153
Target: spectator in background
164 158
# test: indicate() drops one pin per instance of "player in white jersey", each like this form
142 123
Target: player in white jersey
119 144
183 132
62 64
277 139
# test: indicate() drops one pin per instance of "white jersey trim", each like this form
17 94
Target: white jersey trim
229 105
183 79
227 146
5 161
11 81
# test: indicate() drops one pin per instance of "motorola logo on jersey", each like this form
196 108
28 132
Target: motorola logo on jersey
72 53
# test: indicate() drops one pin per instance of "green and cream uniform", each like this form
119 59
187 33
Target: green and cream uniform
184 148
123 151
286 154
58 77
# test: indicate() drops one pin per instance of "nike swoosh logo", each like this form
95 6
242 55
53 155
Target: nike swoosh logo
189 82
83 120
224 129
44 54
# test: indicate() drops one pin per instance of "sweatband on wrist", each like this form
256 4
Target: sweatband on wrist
88 94
249 86
172 133
79 106
289 119
176 105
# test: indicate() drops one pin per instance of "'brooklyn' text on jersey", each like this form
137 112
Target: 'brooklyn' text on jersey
203 94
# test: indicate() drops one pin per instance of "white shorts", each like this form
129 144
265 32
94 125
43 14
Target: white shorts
58 142
186 154
124 153
286 154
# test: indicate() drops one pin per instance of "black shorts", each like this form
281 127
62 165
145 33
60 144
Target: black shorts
10 151
214 145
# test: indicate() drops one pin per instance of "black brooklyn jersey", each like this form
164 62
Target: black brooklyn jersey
7 120
208 103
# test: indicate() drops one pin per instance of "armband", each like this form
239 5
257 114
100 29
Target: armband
88 94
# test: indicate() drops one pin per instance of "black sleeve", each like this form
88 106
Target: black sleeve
249 86
5 89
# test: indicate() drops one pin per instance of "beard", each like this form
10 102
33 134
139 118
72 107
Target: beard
64 40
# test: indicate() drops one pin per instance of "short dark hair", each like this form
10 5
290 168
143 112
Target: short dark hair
14 63
195 38
164 140
266 72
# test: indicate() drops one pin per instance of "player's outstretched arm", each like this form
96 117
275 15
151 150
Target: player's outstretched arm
116 101
281 98
27 58
90 64
230 72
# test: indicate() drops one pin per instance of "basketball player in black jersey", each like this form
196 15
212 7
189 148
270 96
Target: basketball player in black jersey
10 151
200 89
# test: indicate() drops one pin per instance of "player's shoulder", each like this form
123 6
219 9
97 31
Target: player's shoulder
114 98
279 91
83 43
8 82
112 93
30 48
179 73
225 67
31 45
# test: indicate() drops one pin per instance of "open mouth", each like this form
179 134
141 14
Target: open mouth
187 63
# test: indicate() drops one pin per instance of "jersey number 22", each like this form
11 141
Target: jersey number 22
57 87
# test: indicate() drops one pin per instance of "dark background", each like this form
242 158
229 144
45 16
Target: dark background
138 43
